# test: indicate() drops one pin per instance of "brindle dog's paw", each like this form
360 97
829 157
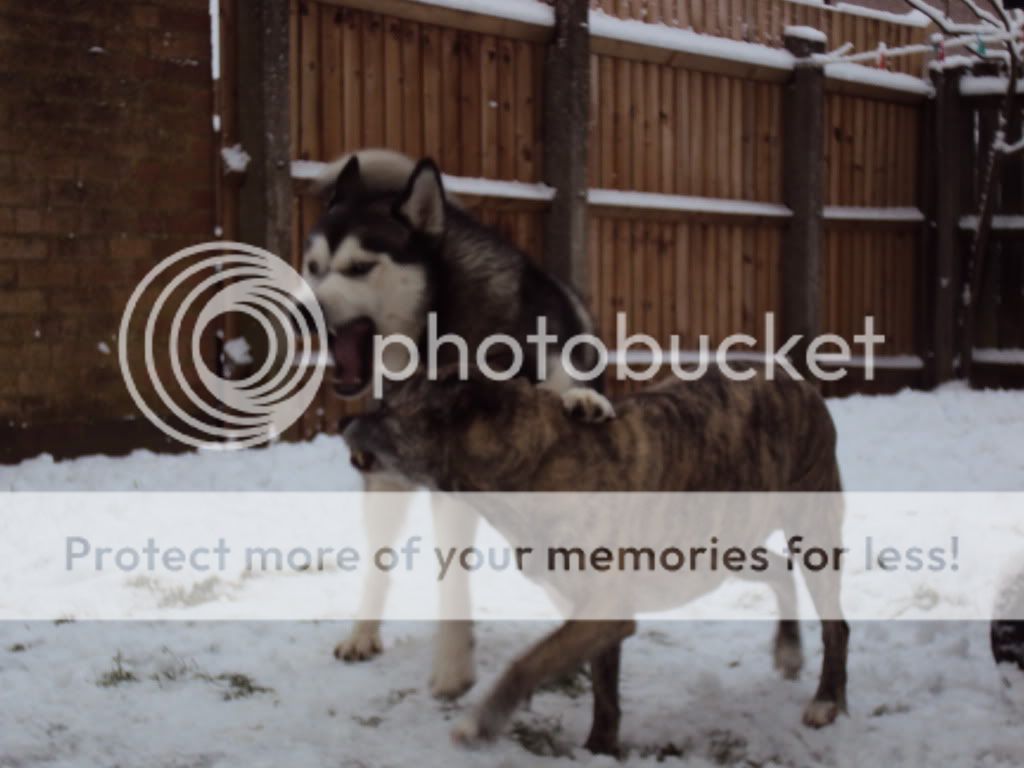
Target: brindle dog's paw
472 731
789 660
587 406
601 744
821 713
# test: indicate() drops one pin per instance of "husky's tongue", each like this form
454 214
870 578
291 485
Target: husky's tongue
352 348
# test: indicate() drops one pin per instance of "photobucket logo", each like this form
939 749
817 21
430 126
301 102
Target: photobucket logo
179 301
637 356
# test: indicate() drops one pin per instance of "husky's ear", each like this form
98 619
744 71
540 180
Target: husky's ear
422 203
349 184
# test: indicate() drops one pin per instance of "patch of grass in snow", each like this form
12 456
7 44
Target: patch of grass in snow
176 668
664 752
367 722
117 675
236 685
18 648
726 747
886 709
660 638
397 695
572 685
542 739
206 591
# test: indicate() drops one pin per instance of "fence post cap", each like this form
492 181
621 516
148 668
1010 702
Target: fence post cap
952 69
804 42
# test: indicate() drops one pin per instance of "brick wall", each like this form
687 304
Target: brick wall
106 166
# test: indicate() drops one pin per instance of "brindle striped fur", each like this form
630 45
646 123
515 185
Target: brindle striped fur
710 435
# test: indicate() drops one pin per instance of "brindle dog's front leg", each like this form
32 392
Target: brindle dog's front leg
581 402
558 654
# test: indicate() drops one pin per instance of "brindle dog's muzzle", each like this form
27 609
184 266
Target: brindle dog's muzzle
363 460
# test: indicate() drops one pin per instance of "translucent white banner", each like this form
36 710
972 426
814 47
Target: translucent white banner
217 556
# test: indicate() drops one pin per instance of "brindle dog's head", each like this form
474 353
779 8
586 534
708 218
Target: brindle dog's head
452 434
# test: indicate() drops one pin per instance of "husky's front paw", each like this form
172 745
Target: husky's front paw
454 671
587 406
451 679
364 643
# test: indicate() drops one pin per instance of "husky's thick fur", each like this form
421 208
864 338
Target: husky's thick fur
389 249
710 435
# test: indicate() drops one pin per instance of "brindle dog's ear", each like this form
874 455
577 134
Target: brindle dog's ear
479 397
349 185
421 205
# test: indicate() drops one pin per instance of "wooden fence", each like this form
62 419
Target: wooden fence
999 332
692 132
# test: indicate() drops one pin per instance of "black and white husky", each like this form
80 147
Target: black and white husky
390 249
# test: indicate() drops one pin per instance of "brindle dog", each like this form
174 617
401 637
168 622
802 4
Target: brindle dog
714 434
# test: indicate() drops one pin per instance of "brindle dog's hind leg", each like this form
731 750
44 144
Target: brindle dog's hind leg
830 698
788 654
604 730
824 586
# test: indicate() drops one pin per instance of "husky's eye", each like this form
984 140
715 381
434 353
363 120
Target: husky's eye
359 268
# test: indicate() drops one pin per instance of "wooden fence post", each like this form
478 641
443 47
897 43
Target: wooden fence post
945 159
265 199
566 118
803 190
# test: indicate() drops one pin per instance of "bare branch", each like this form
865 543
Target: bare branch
947 25
981 13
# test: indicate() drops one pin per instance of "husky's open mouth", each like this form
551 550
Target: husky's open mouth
352 350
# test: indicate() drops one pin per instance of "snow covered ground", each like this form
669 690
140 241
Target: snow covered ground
695 694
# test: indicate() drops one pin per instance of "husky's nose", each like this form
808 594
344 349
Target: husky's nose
363 460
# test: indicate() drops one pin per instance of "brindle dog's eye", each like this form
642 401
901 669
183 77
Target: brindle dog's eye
359 268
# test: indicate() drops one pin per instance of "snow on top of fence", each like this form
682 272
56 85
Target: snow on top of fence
525 11
856 213
994 356
308 170
988 85
951 62
806 33
913 18
999 221
509 190
687 41
881 78
614 198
